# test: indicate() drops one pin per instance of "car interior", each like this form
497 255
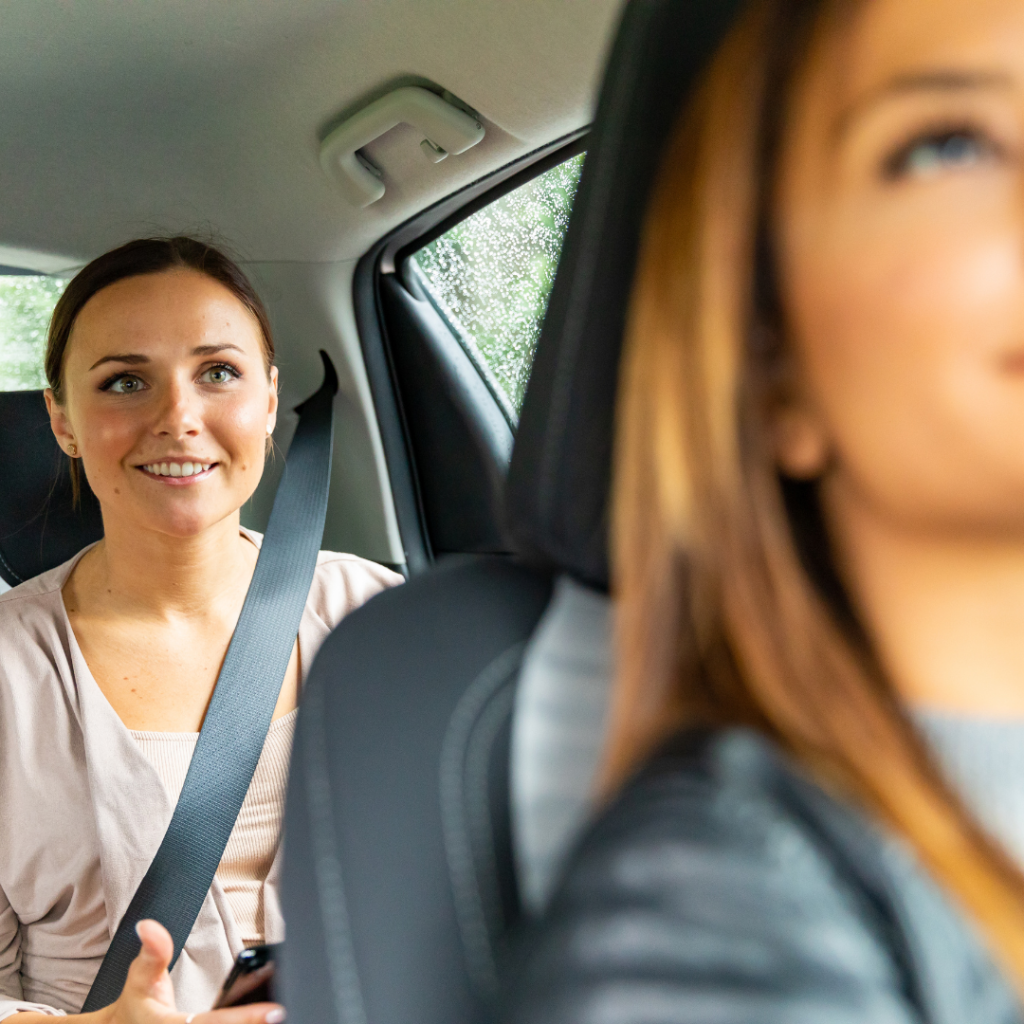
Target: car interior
402 181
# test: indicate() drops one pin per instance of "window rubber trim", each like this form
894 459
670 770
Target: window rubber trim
385 257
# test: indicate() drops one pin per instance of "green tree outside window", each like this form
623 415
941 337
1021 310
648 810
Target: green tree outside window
26 304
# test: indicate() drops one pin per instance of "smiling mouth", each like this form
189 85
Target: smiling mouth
178 471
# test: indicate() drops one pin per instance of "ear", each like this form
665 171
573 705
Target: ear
799 439
799 435
274 401
59 422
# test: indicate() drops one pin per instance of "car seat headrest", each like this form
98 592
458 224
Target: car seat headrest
39 525
557 497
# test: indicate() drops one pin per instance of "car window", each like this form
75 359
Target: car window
26 303
491 275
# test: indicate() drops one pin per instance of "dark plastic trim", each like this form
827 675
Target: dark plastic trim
411 276
394 433
460 437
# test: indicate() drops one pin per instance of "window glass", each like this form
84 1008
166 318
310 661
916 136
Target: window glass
26 303
491 275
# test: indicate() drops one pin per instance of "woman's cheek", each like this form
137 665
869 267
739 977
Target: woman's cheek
901 330
109 438
241 428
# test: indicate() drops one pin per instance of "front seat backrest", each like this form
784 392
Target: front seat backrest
398 877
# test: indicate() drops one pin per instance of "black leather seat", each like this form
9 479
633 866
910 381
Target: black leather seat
40 527
398 880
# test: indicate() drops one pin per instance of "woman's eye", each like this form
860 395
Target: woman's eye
945 151
218 375
126 384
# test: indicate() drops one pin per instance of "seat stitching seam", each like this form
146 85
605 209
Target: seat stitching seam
10 569
469 908
478 809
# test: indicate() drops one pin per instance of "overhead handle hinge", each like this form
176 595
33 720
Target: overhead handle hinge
445 129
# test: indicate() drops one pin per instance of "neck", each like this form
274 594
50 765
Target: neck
150 574
946 611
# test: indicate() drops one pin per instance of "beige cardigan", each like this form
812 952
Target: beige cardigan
82 811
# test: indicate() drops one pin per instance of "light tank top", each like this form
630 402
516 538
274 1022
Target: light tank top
250 851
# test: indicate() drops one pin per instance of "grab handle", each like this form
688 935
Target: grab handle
446 129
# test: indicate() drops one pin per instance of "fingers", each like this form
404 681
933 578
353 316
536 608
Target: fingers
255 1013
156 940
149 967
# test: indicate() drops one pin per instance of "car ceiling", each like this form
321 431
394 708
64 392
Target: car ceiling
127 117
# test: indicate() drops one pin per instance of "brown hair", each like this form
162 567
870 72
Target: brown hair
729 610
133 259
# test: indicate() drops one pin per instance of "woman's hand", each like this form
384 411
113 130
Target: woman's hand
148 996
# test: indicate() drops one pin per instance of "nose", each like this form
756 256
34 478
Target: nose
180 413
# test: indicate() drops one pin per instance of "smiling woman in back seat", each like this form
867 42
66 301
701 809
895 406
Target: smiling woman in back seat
163 390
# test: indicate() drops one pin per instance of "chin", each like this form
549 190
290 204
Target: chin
185 531
185 523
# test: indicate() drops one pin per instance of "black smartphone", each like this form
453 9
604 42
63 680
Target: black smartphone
252 978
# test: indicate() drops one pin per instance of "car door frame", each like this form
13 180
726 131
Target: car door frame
382 266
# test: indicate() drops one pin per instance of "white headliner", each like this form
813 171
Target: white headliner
126 117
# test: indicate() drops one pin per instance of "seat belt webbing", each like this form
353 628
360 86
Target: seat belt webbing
236 724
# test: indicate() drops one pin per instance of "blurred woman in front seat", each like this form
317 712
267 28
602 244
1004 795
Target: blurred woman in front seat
816 759
163 390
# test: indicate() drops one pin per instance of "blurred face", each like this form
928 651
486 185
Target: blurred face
168 402
899 225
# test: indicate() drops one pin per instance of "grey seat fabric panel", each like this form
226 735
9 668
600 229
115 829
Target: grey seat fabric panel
41 526
558 734
398 877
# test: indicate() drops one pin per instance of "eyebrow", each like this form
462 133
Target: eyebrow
941 81
136 359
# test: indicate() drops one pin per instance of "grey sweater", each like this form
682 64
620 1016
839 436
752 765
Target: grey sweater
984 759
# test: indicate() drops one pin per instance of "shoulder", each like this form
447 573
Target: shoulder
36 599
32 590
726 812
343 582
41 588
705 889
35 646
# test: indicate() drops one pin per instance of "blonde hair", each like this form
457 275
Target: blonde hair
721 618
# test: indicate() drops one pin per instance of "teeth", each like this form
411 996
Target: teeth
177 468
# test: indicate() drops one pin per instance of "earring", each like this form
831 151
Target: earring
270 430
73 450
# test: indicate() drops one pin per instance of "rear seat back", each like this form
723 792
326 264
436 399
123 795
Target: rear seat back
40 527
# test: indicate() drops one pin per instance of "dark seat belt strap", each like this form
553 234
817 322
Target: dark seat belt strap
236 724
